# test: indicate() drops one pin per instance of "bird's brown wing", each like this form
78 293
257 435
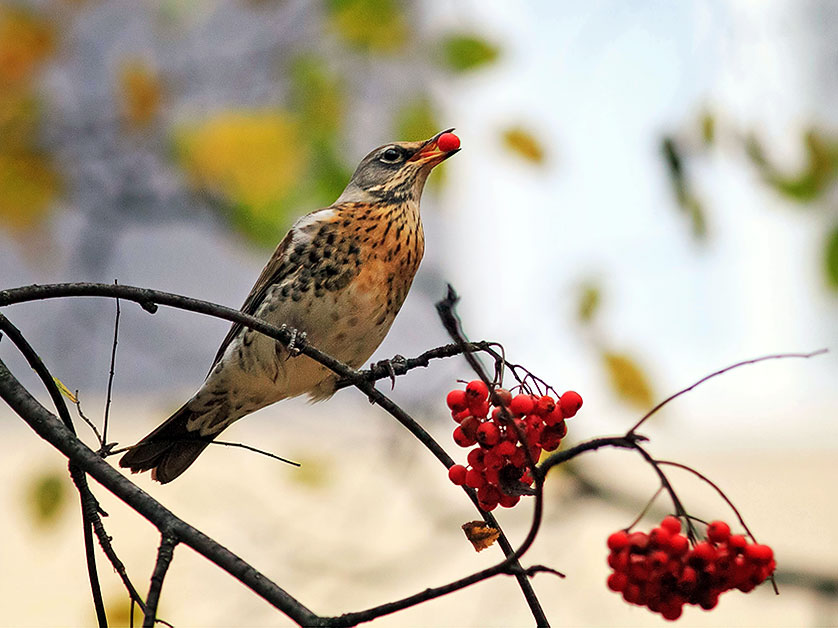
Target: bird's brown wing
273 272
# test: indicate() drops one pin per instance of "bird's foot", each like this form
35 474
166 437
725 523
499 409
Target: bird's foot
298 339
394 366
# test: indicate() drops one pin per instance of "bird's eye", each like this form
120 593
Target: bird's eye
391 155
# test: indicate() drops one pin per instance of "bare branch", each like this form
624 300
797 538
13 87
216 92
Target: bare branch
776 356
165 553
110 376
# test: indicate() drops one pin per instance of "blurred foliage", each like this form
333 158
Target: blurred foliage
524 144
708 127
317 97
140 92
687 200
28 182
589 301
417 120
811 186
254 160
26 40
814 178
628 379
461 53
831 258
370 25
118 609
313 472
46 497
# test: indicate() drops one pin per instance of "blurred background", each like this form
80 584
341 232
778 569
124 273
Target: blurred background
647 192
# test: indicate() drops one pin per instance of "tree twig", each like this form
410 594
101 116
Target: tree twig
776 356
165 553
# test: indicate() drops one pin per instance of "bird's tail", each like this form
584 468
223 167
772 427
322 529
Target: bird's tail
168 450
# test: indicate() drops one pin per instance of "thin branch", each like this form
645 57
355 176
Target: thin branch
110 376
256 450
92 573
165 553
716 488
776 356
87 421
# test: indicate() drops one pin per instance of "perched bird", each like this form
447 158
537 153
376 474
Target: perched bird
340 276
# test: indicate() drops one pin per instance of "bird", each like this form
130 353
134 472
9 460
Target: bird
339 277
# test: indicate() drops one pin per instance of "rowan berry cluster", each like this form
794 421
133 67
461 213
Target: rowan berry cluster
497 466
660 570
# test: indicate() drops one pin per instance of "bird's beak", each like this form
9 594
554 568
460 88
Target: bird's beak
431 153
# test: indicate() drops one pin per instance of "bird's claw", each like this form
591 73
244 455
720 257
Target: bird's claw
391 365
298 339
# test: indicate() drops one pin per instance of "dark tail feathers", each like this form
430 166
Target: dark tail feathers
168 450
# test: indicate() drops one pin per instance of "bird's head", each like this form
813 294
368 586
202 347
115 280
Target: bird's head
397 171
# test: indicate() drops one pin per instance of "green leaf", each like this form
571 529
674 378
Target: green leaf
811 182
628 379
370 25
47 496
831 259
524 144
462 53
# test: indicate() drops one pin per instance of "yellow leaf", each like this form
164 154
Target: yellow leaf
628 379
524 144
140 92
589 301
251 157
480 534
64 390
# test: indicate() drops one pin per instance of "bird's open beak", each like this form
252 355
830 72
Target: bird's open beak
431 153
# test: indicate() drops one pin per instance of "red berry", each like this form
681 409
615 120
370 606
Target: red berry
617 581
759 553
469 426
737 542
671 524
457 474
678 544
503 395
703 552
475 458
718 531
505 448
475 479
479 408
638 542
456 400
521 404
461 439
488 434
477 389
672 611
545 405
448 142
618 540
571 401
460 416
508 501
660 537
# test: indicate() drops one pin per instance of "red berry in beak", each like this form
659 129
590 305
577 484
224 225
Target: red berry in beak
448 142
